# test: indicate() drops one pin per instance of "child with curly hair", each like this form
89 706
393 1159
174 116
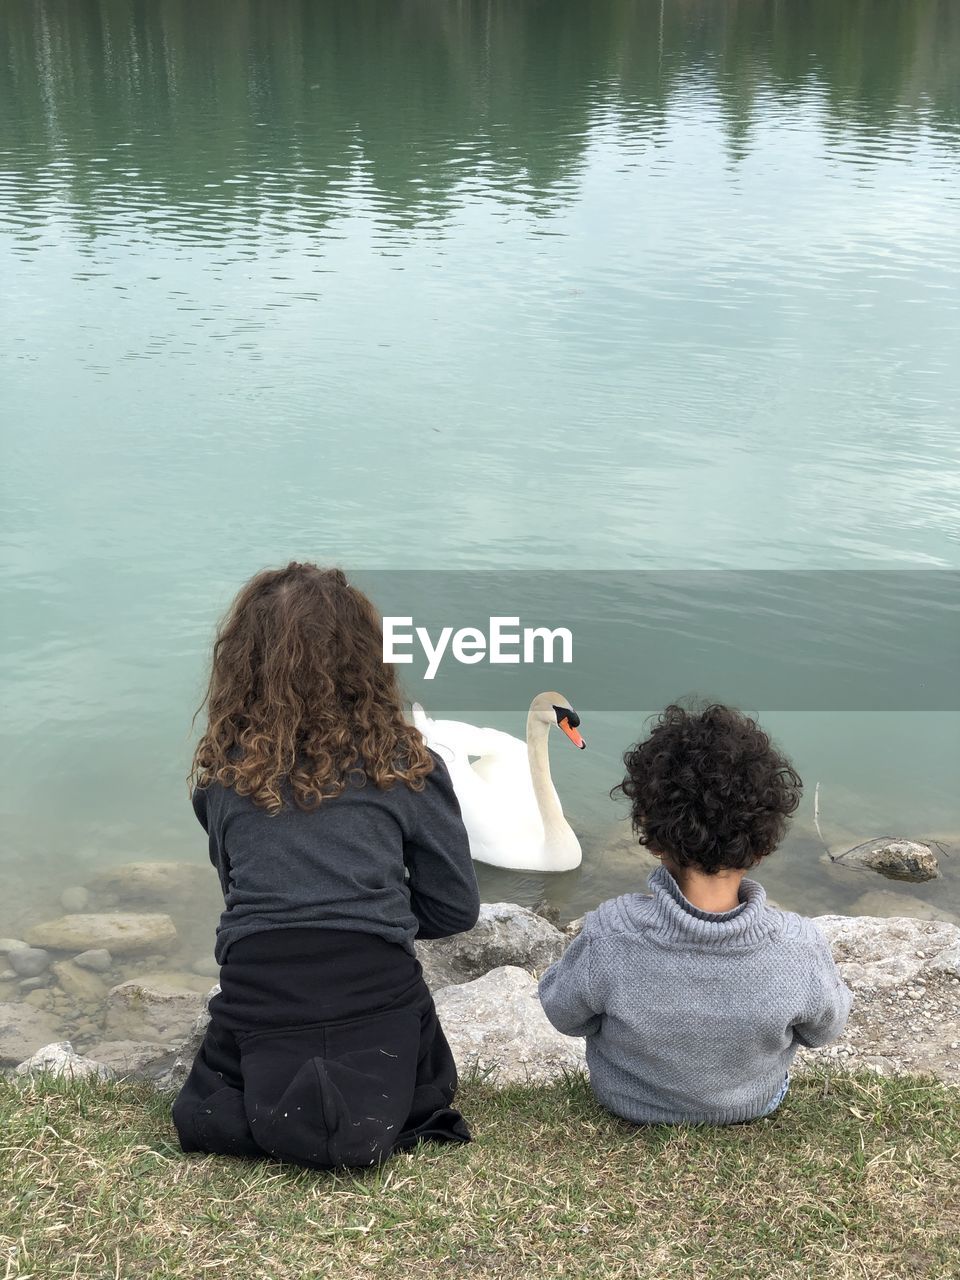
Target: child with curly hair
337 838
695 999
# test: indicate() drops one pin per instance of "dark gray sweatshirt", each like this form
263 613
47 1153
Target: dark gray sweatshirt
390 862
692 1016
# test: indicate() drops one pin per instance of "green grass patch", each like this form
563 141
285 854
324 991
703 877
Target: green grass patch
855 1176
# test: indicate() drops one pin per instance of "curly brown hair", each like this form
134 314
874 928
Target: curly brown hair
300 697
708 789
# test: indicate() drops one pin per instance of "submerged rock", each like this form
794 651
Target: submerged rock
121 933
75 899
887 903
11 944
79 984
29 962
23 1030
151 882
497 1026
895 859
144 1059
98 960
505 934
59 1059
164 1015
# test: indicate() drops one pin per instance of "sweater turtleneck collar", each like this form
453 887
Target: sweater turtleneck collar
679 920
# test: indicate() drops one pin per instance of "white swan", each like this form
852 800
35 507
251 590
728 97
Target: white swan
509 804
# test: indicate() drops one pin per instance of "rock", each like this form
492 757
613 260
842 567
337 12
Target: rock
11 944
174 980
60 1060
23 1030
895 859
151 882
74 899
29 962
122 933
575 928
136 1011
39 998
34 984
505 934
99 960
873 952
206 966
187 1050
496 1025
141 1058
79 984
887 902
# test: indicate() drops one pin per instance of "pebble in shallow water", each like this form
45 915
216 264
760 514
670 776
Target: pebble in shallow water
28 962
76 898
99 960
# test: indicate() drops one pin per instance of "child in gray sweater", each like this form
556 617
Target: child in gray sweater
695 999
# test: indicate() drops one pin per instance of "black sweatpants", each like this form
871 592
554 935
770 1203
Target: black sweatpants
323 1049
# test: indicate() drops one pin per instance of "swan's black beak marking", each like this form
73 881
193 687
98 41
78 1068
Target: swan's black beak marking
569 721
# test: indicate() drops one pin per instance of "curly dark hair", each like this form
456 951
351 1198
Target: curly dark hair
300 696
708 789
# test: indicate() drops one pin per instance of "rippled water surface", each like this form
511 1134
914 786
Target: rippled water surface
505 285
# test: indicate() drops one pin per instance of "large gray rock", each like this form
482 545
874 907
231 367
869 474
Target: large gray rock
59 1059
505 934
497 1026
875 952
156 883
895 859
905 977
136 1011
141 1059
23 1030
121 933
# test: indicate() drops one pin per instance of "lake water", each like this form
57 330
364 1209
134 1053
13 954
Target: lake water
512 286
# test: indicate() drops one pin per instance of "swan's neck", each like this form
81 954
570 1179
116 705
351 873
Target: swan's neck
556 829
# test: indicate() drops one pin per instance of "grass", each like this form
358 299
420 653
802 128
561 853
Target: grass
855 1176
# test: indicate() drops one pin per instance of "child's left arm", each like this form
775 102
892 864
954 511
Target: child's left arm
829 1004
566 993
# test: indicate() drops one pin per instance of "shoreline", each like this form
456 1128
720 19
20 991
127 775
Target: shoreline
904 973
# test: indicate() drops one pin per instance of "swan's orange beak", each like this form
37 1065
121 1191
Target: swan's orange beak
573 734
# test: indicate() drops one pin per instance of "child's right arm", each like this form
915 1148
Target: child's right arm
566 994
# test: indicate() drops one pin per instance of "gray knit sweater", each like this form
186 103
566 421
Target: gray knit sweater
693 1017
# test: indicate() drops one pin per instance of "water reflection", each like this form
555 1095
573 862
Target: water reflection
239 121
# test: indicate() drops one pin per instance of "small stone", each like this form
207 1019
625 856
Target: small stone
11 944
60 1060
39 998
75 899
34 984
28 962
8 975
98 960
206 967
80 984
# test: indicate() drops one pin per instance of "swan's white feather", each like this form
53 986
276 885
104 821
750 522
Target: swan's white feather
490 771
